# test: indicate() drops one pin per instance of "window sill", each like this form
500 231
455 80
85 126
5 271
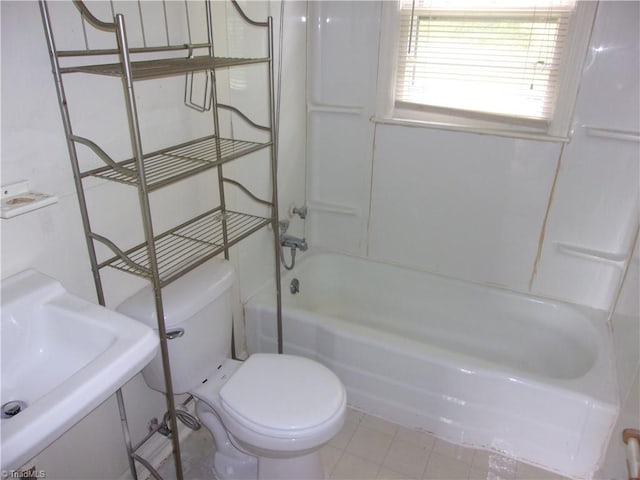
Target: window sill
499 132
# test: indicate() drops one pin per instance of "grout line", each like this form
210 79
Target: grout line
329 475
386 454
426 465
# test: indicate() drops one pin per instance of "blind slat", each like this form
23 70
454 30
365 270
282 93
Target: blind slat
502 57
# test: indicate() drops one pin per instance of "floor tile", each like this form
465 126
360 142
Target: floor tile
414 436
344 436
494 465
369 444
352 467
197 457
529 472
354 416
445 467
407 458
378 424
491 473
387 474
330 456
457 452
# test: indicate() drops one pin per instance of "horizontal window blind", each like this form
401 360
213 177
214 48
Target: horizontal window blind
498 57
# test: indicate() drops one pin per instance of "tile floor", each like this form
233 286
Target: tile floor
370 448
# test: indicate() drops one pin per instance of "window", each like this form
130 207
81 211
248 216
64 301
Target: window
514 63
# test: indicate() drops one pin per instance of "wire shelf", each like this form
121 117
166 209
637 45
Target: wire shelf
176 163
186 246
148 69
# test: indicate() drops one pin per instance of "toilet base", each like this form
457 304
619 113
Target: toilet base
245 467
304 467
228 465
232 462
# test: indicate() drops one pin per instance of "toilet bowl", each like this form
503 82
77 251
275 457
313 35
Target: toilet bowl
267 416
270 414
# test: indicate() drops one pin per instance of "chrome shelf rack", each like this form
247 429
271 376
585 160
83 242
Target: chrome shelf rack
161 258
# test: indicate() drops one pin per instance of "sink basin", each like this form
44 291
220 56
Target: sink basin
61 357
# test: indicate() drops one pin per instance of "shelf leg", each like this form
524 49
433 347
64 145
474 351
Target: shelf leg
145 210
274 185
126 434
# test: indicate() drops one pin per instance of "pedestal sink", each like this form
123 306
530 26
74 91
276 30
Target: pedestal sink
61 357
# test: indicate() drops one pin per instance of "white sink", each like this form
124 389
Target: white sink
61 357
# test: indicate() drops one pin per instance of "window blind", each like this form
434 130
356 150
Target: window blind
498 57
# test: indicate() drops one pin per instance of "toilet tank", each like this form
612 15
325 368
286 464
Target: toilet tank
197 312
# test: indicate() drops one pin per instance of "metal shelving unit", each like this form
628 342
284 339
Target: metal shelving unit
164 257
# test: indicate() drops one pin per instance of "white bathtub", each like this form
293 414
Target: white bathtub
474 365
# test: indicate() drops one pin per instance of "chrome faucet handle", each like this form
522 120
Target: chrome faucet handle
300 211
293 242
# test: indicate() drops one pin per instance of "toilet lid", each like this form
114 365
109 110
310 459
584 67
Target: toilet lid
282 393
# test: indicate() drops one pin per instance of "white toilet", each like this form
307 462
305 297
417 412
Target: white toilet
270 414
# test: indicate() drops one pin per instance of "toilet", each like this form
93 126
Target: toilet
270 414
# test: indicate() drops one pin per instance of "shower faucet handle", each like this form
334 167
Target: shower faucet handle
300 211
293 242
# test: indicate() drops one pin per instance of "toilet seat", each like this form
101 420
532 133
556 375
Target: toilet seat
280 403
283 395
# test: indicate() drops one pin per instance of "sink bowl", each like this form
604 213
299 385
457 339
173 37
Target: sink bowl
61 357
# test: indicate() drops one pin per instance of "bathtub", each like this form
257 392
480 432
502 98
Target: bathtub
475 365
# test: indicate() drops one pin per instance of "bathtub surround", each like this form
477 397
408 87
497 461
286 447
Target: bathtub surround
477 206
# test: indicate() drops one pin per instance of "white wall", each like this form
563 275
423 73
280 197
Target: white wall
51 239
248 92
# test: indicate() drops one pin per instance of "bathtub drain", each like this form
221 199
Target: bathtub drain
12 408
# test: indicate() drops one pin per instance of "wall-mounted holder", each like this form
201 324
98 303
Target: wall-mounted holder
18 199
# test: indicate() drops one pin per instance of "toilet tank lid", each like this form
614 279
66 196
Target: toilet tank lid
182 298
